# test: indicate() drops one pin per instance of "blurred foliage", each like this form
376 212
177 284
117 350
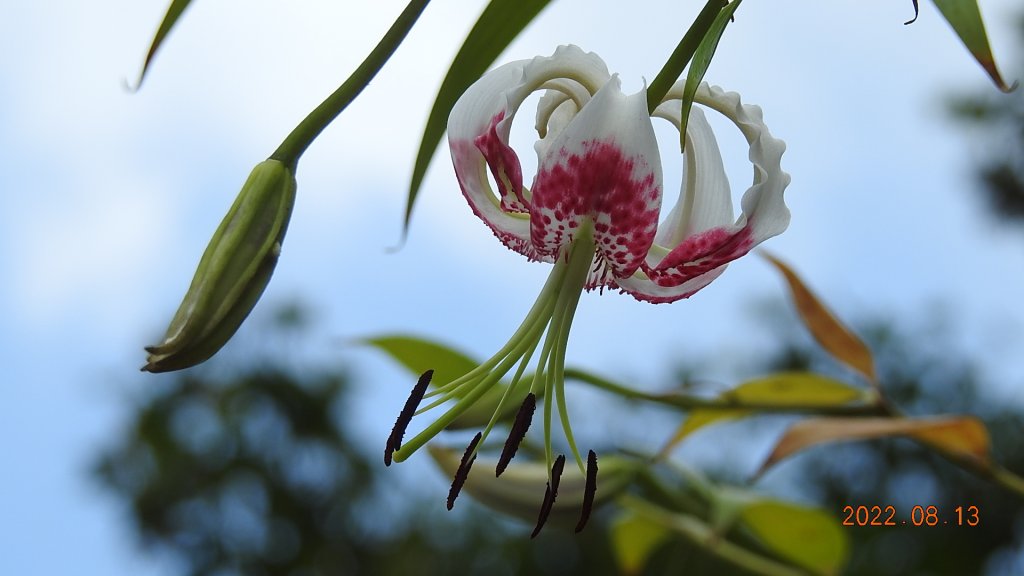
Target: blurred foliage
256 472
1001 118
923 374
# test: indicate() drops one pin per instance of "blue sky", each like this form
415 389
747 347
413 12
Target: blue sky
110 197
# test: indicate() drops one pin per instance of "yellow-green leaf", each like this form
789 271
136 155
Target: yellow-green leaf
634 539
174 12
833 336
796 389
419 355
965 18
497 26
807 537
960 437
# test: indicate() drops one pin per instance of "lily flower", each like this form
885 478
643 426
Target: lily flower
592 211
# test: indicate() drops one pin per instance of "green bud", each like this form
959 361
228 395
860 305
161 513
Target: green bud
234 271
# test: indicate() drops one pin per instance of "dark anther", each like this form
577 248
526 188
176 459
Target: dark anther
589 491
463 472
394 442
518 432
916 10
550 494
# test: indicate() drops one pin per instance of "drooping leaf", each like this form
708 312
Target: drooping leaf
965 18
797 389
959 437
634 539
833 336
683 53
174 12
499 24
808 537
701 61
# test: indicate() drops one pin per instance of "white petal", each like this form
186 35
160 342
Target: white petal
763 203
705 200
478 132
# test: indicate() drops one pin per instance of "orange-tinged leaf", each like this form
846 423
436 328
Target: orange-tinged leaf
961 437
796 389
833 336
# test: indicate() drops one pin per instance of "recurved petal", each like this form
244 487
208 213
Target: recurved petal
479 126
603 166
705 199
703 248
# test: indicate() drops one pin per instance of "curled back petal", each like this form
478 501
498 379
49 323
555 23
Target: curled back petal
604 167
699 249
479 127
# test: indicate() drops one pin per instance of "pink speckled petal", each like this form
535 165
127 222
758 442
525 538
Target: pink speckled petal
478 133
699 244
604 166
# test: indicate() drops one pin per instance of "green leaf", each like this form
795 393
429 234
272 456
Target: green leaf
497 26
701 61
965 18
830 333
807 537
634 539
684 51
797 389
170 19
419 355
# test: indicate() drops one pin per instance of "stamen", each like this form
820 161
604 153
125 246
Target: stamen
394 442
550 494
515 437
463 472
589 491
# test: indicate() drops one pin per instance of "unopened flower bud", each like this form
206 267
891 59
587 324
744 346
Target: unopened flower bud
234 271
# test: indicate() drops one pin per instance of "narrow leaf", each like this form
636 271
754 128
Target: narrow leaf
833 336
684 51
174 12
965 18
960 437
701 61
499 24
797 389
808 537
634 539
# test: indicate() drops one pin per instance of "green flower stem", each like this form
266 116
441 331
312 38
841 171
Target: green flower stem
482 378
687 402
683 53
312 125
704 536
536 319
